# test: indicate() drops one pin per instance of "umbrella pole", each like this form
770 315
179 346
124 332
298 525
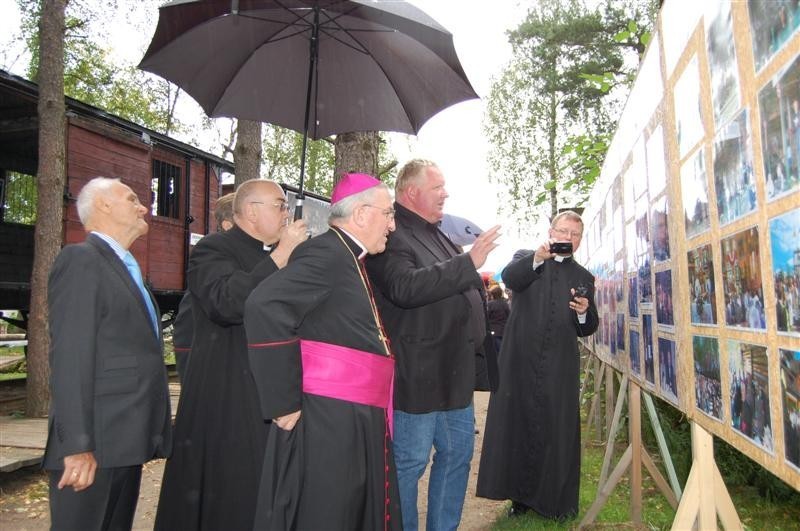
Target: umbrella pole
312 64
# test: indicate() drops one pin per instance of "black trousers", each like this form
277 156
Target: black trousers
108 504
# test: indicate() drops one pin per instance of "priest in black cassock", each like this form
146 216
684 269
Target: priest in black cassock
324 372
211 480
531 447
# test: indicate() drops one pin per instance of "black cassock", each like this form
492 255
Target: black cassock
211 480
531 447
335 469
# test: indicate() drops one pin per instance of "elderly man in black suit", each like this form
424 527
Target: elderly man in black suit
110 408
431 299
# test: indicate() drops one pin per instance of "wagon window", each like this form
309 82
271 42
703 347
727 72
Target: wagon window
18 198
165 186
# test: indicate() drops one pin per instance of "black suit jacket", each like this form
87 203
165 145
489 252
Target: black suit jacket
107 375
421 293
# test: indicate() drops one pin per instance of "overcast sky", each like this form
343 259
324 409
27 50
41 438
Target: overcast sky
453 138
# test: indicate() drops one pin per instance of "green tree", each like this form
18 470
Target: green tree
92 76
282 151
548 119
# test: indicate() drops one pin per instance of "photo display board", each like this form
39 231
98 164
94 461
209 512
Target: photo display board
693 229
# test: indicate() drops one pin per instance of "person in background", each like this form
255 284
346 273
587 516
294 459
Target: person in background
531 450
431 299
211 480
324 370
183 327
497 310
109 411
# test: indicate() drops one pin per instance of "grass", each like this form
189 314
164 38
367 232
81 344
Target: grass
755 512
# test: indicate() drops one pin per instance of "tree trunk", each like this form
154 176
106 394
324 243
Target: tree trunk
356 152
552 156
50 177
247 153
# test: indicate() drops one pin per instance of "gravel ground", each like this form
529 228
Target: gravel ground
24 506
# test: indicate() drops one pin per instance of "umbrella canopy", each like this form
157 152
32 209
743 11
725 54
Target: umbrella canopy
461 231
319 67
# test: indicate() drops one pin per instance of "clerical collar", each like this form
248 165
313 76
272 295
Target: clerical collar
357 242
561 258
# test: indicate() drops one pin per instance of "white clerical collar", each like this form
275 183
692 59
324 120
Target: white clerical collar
363 249
560 257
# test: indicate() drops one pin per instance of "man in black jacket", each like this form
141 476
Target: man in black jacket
431 300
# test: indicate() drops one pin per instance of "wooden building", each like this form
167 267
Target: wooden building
179 182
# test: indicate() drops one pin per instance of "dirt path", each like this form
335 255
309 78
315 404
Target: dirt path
24 507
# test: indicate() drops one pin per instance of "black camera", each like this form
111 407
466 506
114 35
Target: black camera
561 247
581 291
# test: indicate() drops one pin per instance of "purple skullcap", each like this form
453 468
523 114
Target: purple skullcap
351 184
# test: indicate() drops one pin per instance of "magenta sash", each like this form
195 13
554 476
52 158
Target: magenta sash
348 374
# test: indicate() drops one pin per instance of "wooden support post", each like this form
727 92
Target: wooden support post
594 408
606 489
586 371
612 433
609 399
634 457
599 367
635 431
662 446
705 495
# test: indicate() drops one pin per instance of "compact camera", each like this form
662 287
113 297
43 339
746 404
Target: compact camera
581 291
561 247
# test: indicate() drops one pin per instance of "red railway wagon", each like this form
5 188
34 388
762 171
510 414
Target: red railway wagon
180 182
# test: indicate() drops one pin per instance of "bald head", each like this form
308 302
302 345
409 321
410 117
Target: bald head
260 209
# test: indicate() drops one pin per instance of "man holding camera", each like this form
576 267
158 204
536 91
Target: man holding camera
531 448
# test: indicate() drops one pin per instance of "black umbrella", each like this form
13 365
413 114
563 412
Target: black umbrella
319 67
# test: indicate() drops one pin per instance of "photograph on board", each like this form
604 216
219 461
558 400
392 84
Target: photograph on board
633 297
748 367
779 102
722 61
784 236
633 351
707 384
790 393
733 170
694 192
667 372
772 24
647 346
702 303
664 313
741 277
660 227
688 117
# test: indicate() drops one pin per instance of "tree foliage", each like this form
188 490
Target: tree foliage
552 111
92 76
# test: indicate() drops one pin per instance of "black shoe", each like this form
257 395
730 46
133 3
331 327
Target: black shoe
518 509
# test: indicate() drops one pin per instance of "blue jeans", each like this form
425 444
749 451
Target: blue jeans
452 434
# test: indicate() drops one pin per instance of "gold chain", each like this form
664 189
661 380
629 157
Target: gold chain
381 336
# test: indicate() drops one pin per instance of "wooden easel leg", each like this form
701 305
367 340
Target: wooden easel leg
599 369
705 495
662 446
612 433
609 399
635 416
606 490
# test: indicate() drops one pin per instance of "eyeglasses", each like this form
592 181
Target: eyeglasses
388 212
567 232
283 206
